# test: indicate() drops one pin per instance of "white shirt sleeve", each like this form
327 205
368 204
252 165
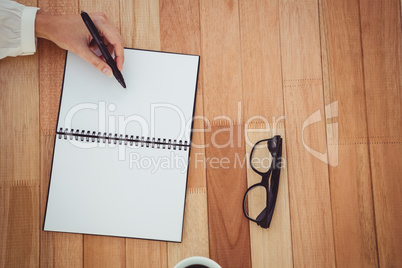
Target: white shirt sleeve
17 29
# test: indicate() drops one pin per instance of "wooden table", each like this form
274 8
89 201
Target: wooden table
329 71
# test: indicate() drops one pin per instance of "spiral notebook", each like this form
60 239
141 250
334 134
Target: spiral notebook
120 160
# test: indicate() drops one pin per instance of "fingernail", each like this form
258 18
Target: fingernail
108 72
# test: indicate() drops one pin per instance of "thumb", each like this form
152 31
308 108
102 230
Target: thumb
97 62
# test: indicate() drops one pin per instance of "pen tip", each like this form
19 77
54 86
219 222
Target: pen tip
123 84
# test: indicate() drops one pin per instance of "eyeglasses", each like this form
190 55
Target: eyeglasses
268 188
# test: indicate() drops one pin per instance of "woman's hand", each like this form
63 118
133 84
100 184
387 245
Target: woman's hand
69 32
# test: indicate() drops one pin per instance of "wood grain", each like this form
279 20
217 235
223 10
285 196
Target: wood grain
180 26
261 61
197 166
258 58
381 42
229 238
19 117
221 61
140 23
273 246
19 161
229 242
350 176
309 193
51 66
102 251
387 200
19 230
146 253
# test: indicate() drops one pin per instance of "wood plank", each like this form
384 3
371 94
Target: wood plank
351 195
263 106
221 59
32 3
100 251
67 250
19 230
229 238
180 26
261 61
273 246
51 67
140 23
197 166
229 242
303 95
56 249
19 160
381 42
19 116
387 200
146 253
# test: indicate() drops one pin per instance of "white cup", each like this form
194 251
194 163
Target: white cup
197 260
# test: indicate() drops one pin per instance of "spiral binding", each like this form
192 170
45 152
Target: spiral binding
142 141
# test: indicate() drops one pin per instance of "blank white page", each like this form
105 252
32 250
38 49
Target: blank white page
158 101
117 190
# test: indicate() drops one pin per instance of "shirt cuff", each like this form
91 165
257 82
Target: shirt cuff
28 40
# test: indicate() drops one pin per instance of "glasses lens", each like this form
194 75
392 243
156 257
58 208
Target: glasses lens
261 158
257 201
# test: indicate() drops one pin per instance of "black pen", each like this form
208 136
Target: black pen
109 59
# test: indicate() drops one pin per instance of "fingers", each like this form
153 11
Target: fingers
77 39
88 55
110 48
119 59
112 35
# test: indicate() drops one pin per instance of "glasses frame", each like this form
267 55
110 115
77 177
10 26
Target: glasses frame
274 145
